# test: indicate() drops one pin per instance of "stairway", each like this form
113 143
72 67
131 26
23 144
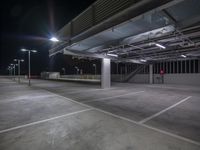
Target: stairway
133 73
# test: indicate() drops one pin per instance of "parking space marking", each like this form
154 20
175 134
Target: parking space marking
42 121
6 82
164 110
107 98
82 91
24 98
169 87
134 122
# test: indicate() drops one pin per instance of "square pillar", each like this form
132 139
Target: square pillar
105 73
151 74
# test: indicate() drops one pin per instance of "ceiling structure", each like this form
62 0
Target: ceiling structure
132 30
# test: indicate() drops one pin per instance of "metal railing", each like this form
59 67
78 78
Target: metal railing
97 12
93 15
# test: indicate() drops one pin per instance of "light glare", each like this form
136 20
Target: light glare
161 46
34 51
184 56
54 39
113 55
143 60
23 50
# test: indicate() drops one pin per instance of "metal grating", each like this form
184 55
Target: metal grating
83 22
65 31
105 8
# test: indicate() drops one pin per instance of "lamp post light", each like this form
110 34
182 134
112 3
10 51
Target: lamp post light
64 72
95 68
10 70
54 39
29 63
19 60
14 65
77 70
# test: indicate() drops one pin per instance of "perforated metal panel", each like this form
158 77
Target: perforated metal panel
84 21
65 31
106 8
191 8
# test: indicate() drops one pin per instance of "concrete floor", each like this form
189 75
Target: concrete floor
53 115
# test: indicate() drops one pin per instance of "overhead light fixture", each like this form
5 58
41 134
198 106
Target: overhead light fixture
184 56
161 46
143 60
34 51
54 39
113 55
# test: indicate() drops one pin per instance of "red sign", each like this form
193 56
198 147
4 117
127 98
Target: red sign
162 72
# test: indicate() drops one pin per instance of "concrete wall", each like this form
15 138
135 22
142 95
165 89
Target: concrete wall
140 78
187 79
117 77
50 75
54 75
81 76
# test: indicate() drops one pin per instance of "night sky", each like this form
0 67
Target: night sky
29 24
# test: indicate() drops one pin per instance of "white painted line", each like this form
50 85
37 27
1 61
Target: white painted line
170 87
172 135
45 120
25 98
134 122
108 98
85 91
164 110
149 127
6 82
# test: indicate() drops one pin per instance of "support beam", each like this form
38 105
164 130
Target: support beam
151 74
105 73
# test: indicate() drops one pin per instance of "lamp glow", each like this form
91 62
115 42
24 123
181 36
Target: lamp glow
184 56
54 39
161 46
113 55
143 60
34 51
23 50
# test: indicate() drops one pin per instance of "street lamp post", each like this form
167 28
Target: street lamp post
19 60
29 63
77 70
95 68
63 69
14 65
14 71
10 70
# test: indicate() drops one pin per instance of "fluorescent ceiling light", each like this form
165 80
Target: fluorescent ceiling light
161 46
143 60
184 56
113 55
54 39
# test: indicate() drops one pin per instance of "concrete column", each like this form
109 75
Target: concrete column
105 73
151 74
198 66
